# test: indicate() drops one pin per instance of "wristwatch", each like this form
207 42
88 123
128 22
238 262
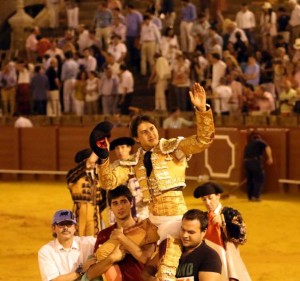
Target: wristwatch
79 270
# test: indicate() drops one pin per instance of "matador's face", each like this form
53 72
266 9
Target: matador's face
147 135
211 201
122 151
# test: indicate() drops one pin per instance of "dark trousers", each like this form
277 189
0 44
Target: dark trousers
39 107
124 106
249 36
181 94
255 177
133 58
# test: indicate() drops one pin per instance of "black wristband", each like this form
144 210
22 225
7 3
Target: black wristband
79 270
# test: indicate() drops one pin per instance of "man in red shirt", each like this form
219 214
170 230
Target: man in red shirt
131 266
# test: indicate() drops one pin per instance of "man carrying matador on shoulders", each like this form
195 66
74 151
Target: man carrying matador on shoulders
159 165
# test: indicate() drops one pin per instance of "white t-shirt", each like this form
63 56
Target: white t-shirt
31 42
245 20
84 40
117 50
218 71
222 96
92 89
90 63
54 260
126 83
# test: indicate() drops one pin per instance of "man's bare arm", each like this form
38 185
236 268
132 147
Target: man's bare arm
209 276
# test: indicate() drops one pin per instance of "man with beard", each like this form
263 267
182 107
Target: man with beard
198 261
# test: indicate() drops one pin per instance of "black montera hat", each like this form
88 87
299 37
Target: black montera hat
121 141
207 189
82 155
99 133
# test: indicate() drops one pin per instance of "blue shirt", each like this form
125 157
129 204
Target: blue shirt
39 86
253 69
189 13
133 23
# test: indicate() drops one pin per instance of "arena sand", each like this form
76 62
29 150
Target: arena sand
272 252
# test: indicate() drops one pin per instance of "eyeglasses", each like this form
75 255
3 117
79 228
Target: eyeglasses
65 223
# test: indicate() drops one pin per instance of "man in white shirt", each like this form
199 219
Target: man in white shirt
90 63
111 62
218 70
245 20
125 90
65 257
161 73
149 39
175 121
31 44
117 48
84 41
54 51
295 20
264 100
222 95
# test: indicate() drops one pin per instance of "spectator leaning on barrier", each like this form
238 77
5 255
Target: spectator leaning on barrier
253 163
175 121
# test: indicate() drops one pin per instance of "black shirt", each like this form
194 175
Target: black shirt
202 259
255 148
52 75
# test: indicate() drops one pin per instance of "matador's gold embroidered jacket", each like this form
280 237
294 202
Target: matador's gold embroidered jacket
169 159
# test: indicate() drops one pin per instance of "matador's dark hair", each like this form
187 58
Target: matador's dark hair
139 120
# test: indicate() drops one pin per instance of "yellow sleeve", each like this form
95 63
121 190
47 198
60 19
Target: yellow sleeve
205 134
110 177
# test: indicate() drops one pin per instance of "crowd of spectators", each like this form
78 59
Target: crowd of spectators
92 69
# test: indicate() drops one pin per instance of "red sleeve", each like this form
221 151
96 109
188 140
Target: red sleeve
103 236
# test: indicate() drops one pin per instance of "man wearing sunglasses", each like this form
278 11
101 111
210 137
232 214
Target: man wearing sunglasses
65 257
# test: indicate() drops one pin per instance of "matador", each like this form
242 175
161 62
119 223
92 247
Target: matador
159 166
88 197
